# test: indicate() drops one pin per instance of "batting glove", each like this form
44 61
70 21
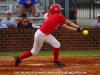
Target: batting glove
80 29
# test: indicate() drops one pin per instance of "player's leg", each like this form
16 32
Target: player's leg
19 58
55 43
38 42
21 9
52 41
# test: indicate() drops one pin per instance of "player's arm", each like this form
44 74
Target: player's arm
71 24
79 29
68 27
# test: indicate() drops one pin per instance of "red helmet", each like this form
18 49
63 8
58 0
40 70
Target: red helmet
55 8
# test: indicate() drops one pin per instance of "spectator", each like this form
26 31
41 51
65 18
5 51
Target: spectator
97 23
22 17
24 23
2 25
46 14
27 5
20 22
10 22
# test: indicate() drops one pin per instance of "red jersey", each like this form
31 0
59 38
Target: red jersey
51 24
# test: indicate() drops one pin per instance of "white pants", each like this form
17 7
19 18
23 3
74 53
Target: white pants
39 38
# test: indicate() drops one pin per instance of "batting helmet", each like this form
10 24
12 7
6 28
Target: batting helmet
55 8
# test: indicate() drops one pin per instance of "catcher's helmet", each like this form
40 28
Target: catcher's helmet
55 8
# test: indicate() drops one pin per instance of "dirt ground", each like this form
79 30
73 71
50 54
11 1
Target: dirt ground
75 65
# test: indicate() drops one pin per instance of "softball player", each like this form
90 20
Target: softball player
44 34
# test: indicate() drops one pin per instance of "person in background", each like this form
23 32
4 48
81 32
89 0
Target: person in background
97 23
45 15
2 26
10 22
25 24
23 15
27 5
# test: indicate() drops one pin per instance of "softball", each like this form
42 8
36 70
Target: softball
85 32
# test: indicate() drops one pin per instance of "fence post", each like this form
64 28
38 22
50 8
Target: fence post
90 9
67 8
93 9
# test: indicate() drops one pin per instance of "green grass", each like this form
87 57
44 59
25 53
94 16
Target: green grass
63 53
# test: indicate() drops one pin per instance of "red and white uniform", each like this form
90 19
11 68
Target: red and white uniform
44 33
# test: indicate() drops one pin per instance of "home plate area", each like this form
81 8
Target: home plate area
40 65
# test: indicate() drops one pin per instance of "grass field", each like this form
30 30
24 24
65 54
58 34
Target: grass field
62 53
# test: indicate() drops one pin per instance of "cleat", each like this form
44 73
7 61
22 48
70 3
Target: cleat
17 61
58 63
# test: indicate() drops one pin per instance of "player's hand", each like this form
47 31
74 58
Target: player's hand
80 29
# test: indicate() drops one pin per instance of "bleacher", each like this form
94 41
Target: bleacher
13 6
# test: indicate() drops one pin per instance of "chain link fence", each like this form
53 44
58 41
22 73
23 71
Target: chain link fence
87 11
87 8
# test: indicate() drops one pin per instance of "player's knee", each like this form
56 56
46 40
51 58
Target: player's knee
34 52
57 45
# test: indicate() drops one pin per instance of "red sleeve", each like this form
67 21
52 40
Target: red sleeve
62 20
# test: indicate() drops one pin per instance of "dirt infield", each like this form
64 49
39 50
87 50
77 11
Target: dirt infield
75 65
